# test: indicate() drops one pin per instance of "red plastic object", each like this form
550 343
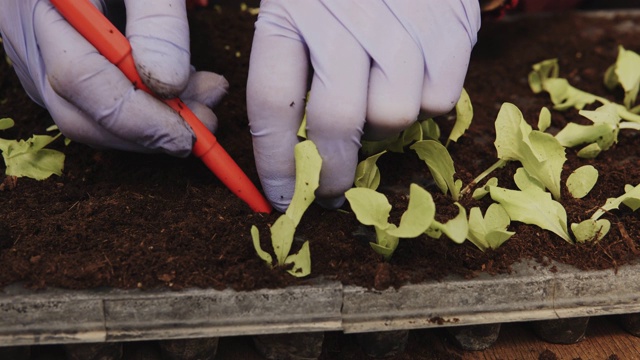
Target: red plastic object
104 36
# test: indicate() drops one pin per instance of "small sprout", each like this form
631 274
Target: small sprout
29 157
372 208
440 164
582 180
464 116
540 154
544 120
430 129
456 229
631 198
590 230
481 192
490 231
367 172
535 207
626 73
308 164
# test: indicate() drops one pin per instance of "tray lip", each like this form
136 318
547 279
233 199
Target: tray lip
58 316
531 292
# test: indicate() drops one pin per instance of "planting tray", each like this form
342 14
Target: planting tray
531 292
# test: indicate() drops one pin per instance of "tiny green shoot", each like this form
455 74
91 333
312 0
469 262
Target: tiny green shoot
626 73
29 158
490 231
582 180
308 164
367 172
373 209
440 164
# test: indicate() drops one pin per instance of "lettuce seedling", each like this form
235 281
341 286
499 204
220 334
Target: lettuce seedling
440 164
368 173
490 231
594 228
582 180
456 229
308 164
373 209
533 206
29 157
540 153
626 73
464 116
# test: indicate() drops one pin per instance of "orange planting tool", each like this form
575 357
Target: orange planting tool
104 36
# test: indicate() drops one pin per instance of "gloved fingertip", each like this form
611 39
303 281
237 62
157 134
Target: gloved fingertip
331 203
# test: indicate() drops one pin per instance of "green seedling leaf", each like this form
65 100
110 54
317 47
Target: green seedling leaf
464 116
631 198
420 213
282 232
564 96
440 164
301 261
430 130
534 207
29 158
255 235
544 119
408 136
626 73
547 69
524 181
539 153
590 151
368 173
481 192
308 164
582 180
590 230
456 229
6 123
490 231
372 208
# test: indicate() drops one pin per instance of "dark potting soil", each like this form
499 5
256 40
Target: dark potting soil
128 220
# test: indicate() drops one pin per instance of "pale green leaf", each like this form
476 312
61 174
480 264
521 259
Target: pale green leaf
419 215
29 158
408 136
544 119
534 207
430 129
564 96
301 261
524 181
440 164
627 69
542 71
631 198
489 231
302 130
368 173
582 180
255 235
282 232
590 151
481 192
539 153
590 230
308 164
574 134
386 252
6 123
456 229
369 206
464 116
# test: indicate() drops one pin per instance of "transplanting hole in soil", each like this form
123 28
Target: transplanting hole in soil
125 220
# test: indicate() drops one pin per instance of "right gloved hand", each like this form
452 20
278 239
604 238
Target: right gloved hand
90 100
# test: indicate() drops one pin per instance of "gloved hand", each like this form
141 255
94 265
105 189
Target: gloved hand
375 65
90 100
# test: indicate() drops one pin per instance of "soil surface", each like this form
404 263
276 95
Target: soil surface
127 220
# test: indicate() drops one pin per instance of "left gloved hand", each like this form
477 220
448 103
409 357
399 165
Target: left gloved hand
375 65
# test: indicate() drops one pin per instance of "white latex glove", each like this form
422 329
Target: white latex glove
90 100
375 64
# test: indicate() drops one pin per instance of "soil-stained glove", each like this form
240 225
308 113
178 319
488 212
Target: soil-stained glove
90 100
375 64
